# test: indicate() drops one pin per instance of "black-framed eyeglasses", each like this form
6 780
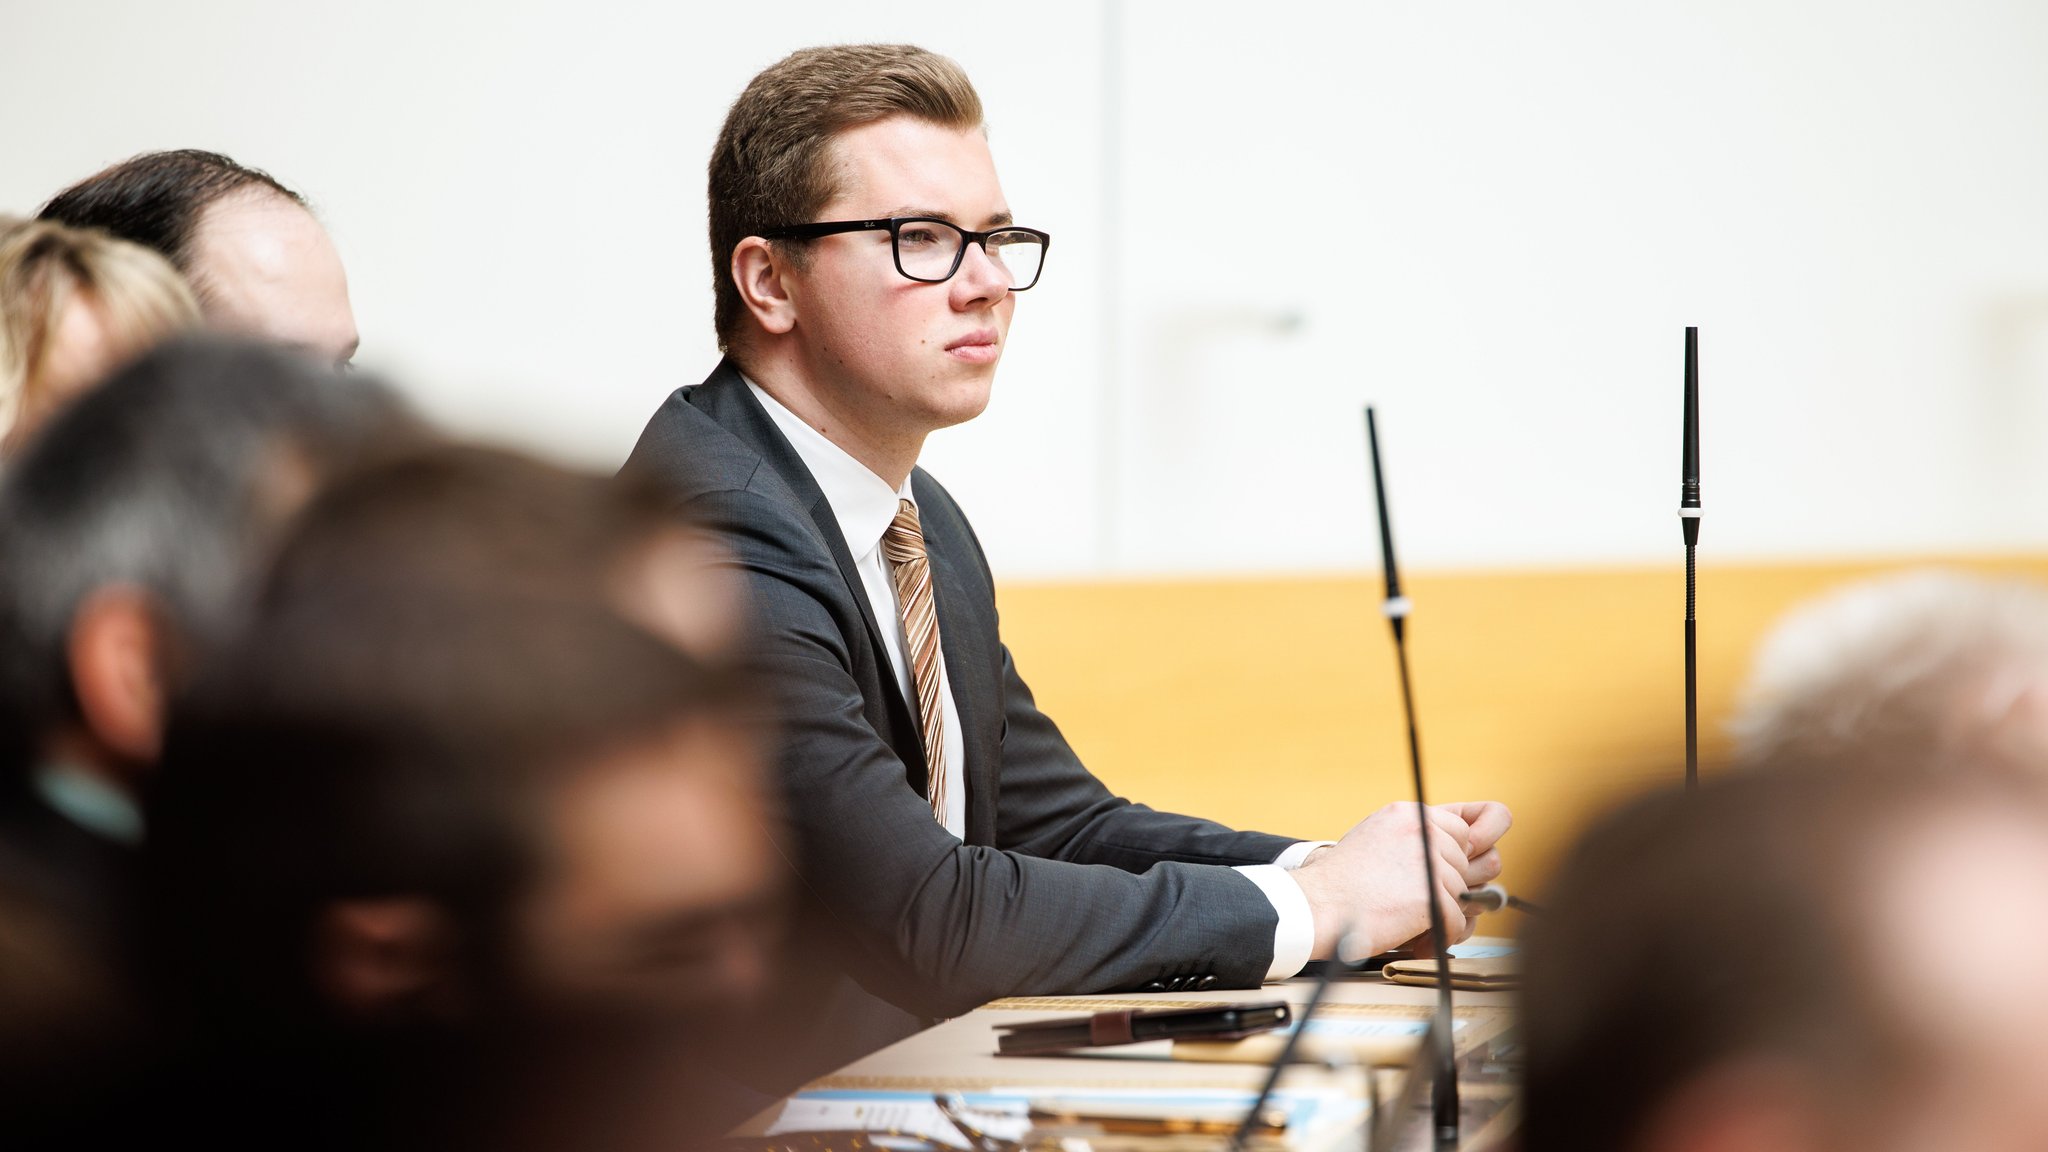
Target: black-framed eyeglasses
929 250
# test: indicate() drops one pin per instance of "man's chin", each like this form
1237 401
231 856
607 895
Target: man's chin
962 399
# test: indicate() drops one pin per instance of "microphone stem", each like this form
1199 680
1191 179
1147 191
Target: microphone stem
1445 1098
1692 686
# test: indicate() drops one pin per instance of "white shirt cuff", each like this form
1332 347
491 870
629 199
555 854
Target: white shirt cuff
1297 854
1294 936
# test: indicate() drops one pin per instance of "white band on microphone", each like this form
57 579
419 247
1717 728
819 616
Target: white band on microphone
1688 513
1396 608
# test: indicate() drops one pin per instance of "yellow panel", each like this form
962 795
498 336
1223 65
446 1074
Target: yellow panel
1273 703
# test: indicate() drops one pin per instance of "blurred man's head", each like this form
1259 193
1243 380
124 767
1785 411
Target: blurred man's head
466 767
1916 667
1796 960
131 526
260 263
74 305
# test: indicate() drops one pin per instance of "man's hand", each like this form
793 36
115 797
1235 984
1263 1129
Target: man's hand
1370 884
1488 821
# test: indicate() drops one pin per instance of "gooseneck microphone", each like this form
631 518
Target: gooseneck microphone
1438 1047
1689 520
1396 608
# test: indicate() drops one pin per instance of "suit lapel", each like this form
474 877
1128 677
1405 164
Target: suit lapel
828 526
724 397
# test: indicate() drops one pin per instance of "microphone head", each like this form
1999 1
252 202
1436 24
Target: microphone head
1388 568
1689 462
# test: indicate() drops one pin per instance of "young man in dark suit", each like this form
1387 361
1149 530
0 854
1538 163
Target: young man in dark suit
949 840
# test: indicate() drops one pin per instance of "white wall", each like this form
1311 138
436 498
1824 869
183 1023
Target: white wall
1491 218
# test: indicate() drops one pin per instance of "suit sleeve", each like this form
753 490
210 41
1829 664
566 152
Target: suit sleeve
1053 806
932 924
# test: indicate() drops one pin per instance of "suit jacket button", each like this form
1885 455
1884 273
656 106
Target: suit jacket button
1207 982
1153 986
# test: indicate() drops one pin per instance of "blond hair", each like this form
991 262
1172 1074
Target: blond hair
45 267
772 165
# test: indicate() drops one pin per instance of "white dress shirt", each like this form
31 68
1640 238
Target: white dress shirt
865 505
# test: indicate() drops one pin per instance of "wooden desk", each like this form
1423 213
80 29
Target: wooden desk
959 1054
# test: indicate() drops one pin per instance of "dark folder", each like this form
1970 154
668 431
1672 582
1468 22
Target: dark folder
1106 1029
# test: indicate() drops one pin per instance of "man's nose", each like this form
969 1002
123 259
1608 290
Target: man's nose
980 279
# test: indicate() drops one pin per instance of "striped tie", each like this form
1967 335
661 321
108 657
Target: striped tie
903 547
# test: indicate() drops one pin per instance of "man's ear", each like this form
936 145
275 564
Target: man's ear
760 270
388 958
118 652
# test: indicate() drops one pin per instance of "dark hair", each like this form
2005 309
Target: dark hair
771 165
157 198
1689 929
437 643
174 477
457 518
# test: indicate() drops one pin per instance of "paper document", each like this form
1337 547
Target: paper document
1003 1112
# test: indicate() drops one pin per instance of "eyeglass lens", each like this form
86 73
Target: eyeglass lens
927 250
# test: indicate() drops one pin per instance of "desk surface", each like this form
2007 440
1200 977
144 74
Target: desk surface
959 1054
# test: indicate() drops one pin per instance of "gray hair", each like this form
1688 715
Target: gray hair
1915 664
171 478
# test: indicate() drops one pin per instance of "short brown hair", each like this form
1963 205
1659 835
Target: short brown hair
771 166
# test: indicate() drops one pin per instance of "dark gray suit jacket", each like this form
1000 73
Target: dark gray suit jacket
1060 886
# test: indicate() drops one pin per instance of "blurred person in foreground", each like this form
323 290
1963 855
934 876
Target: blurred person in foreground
1797 960
75 304
466 844
867 267
130 527
262 266
1916 667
